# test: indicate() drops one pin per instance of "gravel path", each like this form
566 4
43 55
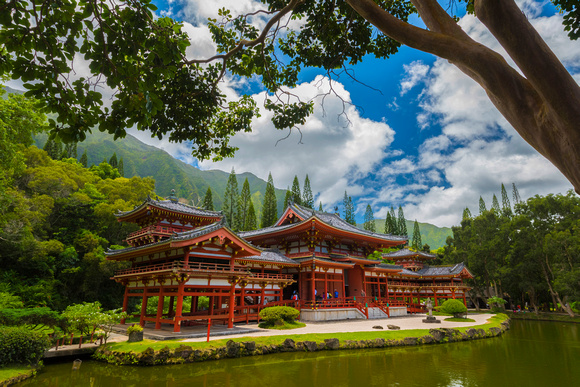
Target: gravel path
413 322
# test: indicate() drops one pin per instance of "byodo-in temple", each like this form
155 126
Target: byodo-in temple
311 260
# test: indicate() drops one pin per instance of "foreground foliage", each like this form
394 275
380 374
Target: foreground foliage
531 254
22 345
56 219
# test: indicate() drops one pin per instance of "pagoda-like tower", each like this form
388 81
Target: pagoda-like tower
159 219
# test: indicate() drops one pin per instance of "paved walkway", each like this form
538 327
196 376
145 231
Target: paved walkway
409 322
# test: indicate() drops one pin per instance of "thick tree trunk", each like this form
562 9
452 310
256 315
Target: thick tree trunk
543 107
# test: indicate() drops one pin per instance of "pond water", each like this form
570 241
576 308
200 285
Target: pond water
530 354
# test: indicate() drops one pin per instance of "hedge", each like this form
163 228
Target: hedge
22 345
276 313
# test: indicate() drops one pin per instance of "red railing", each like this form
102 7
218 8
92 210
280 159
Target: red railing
156 229
179 266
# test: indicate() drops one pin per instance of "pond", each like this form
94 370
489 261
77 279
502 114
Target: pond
530 354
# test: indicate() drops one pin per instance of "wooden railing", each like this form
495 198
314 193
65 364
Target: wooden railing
178 266
156 229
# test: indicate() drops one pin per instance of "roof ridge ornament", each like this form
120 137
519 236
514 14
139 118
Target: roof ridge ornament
173 197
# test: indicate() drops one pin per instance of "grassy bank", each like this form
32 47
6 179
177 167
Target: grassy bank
543 316
138 347
13 373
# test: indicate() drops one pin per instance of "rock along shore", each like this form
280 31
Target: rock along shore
187 354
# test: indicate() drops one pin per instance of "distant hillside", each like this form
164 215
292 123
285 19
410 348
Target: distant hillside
169 173
432 235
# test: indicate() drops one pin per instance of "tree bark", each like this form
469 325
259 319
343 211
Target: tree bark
543 107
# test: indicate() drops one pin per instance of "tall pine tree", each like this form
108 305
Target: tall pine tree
113 160
506 206
466 214
416 241
482 207
287 198
402 223
516 194
369 219
394 224
348 209
296 195
208 200
269 206
230 204
85 159
307 197
121 167
244 204
495 205
251 222
320 207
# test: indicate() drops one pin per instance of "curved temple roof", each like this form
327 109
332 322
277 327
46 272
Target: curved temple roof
170 205
333 220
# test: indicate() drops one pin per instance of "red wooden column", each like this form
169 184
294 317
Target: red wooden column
179 307
435 296
325 282
186 257
379 286
231 304
464 302
453 293
143 308
343 285
313 285
125 302
159 309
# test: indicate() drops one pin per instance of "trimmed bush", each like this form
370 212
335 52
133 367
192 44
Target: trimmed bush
279 313
134 328
22 345
454 307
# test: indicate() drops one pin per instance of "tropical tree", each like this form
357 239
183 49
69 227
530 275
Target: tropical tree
506 207
482 208
307 197
113 162
296 196
287 198
402 223
495 205
348 209
416 241
369 219
230 205
208 200
251 221
244 204
269 206
332 33
121 167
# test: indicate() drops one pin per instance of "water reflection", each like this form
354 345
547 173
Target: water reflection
532 354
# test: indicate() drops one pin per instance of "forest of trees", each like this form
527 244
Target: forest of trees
57 219
529 253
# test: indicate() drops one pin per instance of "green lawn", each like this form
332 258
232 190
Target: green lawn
495 321
12 370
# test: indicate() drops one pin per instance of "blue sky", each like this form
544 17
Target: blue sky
429 141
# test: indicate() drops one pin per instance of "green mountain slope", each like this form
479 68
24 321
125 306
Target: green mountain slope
189 182
432 235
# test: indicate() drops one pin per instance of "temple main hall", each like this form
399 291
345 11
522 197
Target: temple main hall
196 268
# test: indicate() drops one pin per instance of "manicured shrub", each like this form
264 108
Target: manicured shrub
496 304
277 313
22 345
454 307
134 328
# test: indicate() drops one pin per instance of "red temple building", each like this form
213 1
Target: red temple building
312 260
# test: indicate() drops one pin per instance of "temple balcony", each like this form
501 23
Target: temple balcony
152 233
209 269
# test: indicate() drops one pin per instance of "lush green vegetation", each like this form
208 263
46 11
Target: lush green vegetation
454 307
14 370
282 325
493 322
530 251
